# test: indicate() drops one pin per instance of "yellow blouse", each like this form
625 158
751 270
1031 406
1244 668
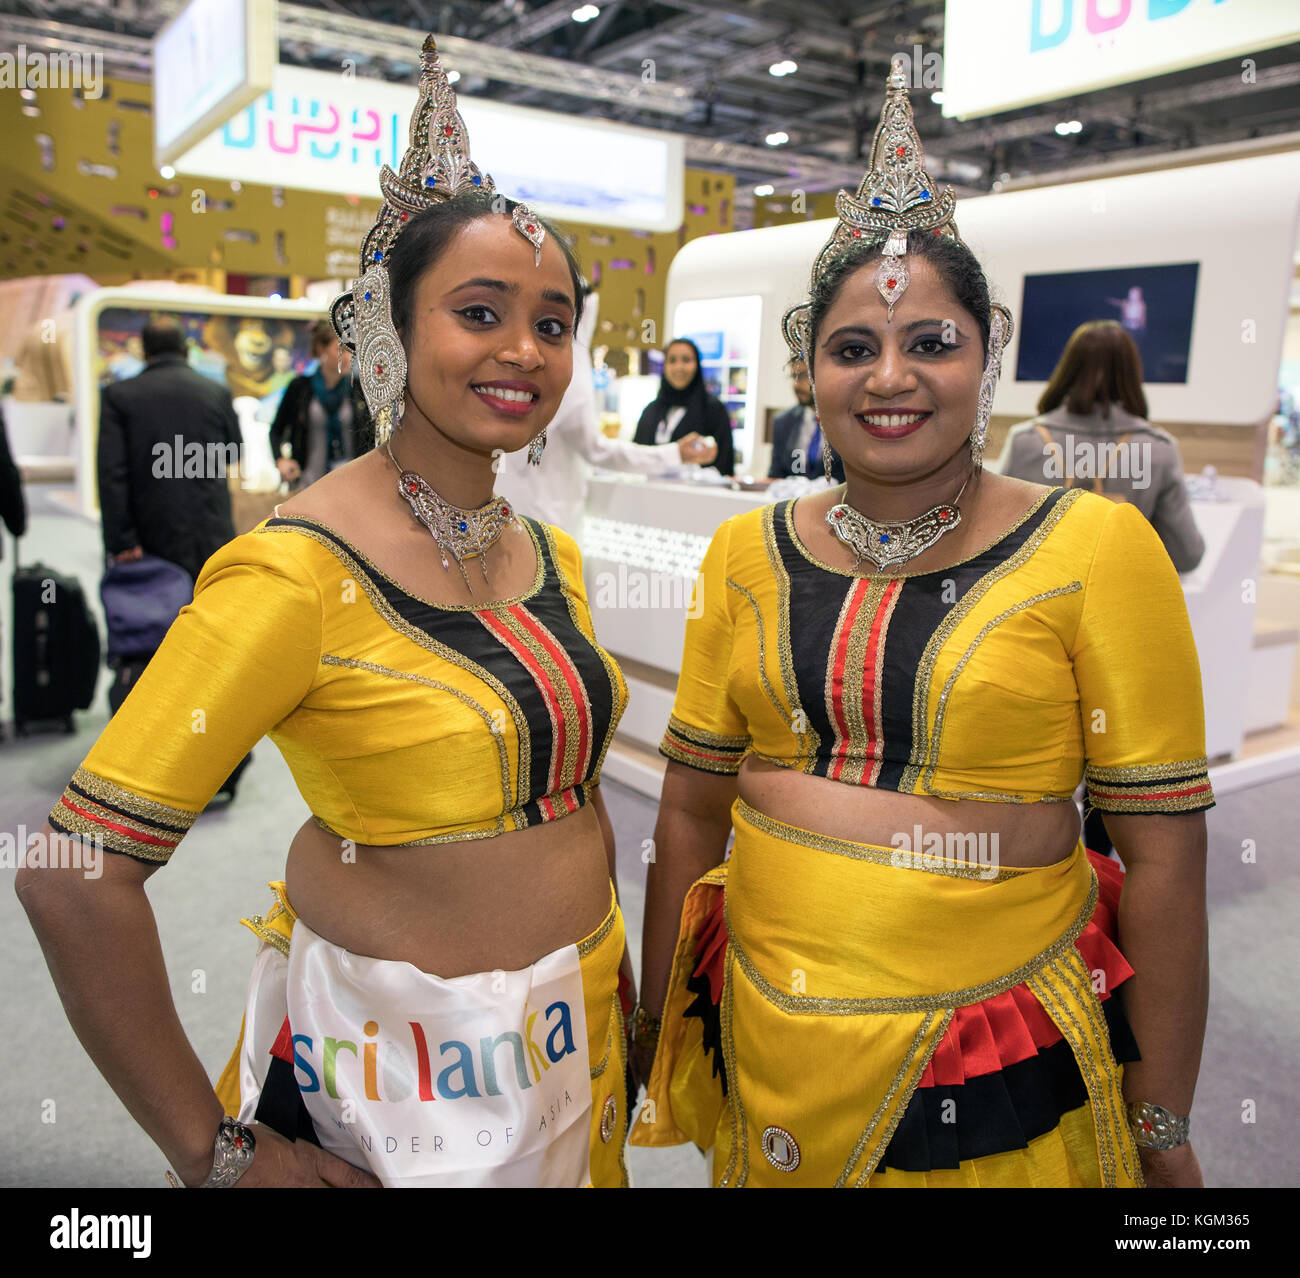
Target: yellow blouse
402 721
1061 652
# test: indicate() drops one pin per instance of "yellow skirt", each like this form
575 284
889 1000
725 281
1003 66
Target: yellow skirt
887 1019
275 1089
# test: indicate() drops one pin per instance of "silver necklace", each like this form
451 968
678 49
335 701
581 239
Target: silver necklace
893 542
460 533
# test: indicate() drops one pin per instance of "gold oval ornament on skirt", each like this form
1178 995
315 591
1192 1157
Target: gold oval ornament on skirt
780 1149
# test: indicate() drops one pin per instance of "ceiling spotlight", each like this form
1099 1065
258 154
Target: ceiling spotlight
765 189
585 13
167 172
1069 126
937 97
453 76
777 139
783 68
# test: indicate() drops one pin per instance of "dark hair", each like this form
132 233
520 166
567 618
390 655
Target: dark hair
427 235
956 264
162 336
322 334
1100 366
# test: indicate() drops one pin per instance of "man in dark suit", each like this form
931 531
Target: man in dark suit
797 440
168 438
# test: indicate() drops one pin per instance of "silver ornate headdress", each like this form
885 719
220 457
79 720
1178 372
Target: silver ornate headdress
436 168
896 195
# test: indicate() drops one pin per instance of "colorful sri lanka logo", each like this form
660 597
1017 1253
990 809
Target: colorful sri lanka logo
462 1070
1095 22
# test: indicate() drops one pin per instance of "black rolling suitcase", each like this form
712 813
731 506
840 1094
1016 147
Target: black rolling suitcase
56 647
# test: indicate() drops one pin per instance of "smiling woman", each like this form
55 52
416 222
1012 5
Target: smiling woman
931 657
452 895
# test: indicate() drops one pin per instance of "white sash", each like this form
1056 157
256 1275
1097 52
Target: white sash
480 1080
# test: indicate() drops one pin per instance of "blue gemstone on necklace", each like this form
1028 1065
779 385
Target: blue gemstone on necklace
884 538
367 295
875 201
925 195
463 525
379 257
478 181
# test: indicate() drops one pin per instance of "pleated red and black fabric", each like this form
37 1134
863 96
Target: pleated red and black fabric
1002 1075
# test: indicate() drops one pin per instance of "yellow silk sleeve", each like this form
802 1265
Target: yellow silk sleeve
707 730
236 661
1138 677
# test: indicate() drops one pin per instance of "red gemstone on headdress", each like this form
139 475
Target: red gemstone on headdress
239 1142
891 283
448 130
403 217
505 510
857 235
412 486
529 227
944 516
379 370
839 514
902 150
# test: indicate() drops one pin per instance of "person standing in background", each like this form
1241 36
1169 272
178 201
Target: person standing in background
316 417
796 435
155 431
151 502
684 407
1093 432
556 490
13 508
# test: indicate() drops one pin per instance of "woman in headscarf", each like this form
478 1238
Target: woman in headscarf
684 406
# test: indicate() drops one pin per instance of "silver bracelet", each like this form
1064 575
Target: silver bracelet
232 1154
1155 1127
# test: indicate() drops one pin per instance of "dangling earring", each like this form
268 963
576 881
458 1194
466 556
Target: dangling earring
537 448
364 316
828 461
999 332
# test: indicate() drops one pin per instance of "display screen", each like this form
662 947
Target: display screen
1155 305
255 356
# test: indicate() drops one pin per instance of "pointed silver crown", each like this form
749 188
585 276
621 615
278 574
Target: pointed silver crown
436 168
896 195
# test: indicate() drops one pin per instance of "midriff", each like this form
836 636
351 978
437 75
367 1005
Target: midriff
452 909
1029 834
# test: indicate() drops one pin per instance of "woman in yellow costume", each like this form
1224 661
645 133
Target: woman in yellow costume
906 973
435 1001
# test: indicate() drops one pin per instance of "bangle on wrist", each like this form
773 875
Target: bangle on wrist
1155 1128
232 1156
643 1026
